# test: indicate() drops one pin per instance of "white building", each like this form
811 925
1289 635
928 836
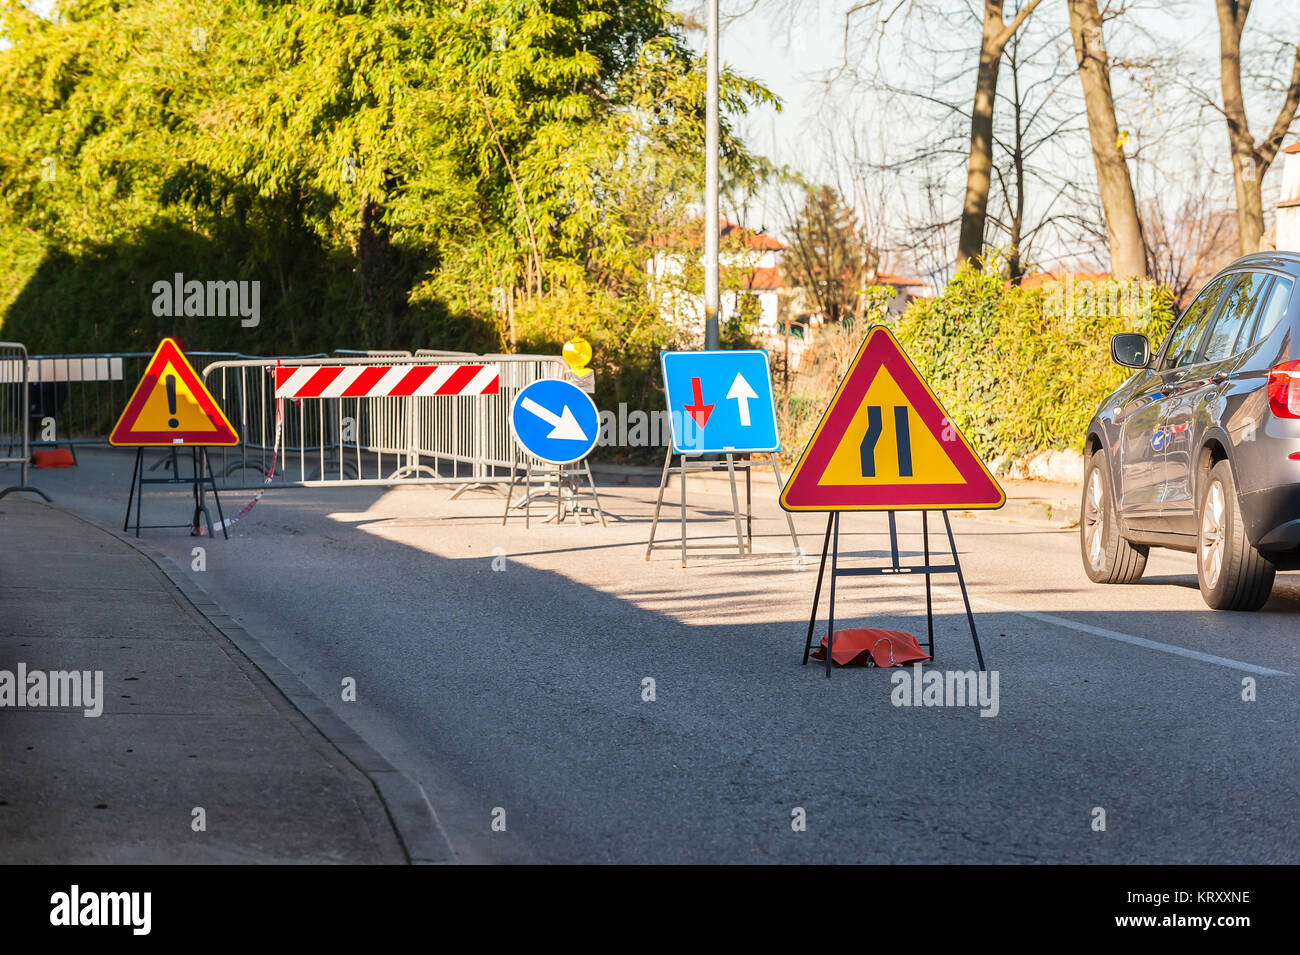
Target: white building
1287 226
748 266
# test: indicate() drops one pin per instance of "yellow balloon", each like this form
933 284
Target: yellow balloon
576 354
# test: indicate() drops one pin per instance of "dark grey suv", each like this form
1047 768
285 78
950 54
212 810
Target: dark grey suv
1200 449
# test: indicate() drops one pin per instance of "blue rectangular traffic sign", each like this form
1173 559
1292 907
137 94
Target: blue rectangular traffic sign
720 401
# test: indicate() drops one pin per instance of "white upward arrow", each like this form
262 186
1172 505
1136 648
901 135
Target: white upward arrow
742 392
565 424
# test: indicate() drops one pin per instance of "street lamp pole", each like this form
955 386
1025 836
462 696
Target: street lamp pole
711 224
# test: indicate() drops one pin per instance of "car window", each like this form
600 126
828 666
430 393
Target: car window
1238 312
1273 313
1186 337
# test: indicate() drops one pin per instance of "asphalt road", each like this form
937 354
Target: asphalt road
521 689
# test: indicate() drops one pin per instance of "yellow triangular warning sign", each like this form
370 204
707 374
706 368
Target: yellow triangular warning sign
885 443
171 407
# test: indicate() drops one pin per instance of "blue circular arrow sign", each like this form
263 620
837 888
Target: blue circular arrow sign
555 421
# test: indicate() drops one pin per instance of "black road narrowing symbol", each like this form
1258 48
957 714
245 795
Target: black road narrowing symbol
867 451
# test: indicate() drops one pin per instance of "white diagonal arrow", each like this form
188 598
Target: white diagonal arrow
742 392
565 424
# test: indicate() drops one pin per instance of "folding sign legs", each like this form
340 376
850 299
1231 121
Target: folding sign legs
831 547
830 624
200 478
682 461
528 489
135 476
735 507
203 476
744 527
594 496
817 591
200 506
659 502
568 488
207 462
961 581
510 491
929 600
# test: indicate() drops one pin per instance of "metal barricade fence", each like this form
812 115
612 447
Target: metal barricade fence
462 439
495 442
15 414
82 395
370 353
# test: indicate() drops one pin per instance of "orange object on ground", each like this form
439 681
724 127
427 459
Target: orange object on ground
884 648
56 458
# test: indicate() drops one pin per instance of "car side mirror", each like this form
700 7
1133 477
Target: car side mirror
1130 350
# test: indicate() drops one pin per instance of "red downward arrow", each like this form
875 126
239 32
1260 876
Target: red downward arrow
699 411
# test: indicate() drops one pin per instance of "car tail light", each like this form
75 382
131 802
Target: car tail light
1284 390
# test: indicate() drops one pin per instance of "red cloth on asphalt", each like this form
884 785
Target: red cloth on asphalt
886 648
58 458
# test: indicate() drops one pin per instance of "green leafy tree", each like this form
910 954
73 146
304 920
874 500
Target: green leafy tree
830 255
396 172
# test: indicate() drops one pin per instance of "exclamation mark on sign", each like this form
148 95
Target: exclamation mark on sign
171 401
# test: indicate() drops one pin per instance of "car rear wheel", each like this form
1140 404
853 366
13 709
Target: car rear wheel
1107 557
1233 574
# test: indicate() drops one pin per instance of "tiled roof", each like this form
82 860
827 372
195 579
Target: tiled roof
728 232
752 239
1035 279
889 278
764 279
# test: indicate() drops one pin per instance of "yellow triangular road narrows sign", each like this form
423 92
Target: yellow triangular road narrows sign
885 443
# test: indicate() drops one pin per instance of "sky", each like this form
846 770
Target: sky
794 46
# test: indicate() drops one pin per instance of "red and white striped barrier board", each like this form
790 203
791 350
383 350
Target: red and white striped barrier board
386 381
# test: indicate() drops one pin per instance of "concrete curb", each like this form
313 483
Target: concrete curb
1036 512
412 815
1048 510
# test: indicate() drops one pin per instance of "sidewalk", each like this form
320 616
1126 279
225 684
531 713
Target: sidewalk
1037 503
187 722
1040 503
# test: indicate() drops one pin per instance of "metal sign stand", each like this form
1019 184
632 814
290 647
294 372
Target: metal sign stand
201 466
564 480
15 407
745 533
833 525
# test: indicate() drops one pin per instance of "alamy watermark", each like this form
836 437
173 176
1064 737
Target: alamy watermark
642 429
25 688
76 907
1087 298
177 297
915 686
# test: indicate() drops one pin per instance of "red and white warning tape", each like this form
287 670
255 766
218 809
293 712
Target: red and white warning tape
275 451
381 381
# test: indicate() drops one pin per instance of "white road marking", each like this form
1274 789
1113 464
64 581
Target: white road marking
1122 637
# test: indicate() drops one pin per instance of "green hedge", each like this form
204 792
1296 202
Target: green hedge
1020 369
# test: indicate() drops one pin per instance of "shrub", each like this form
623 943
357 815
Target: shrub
1019 369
